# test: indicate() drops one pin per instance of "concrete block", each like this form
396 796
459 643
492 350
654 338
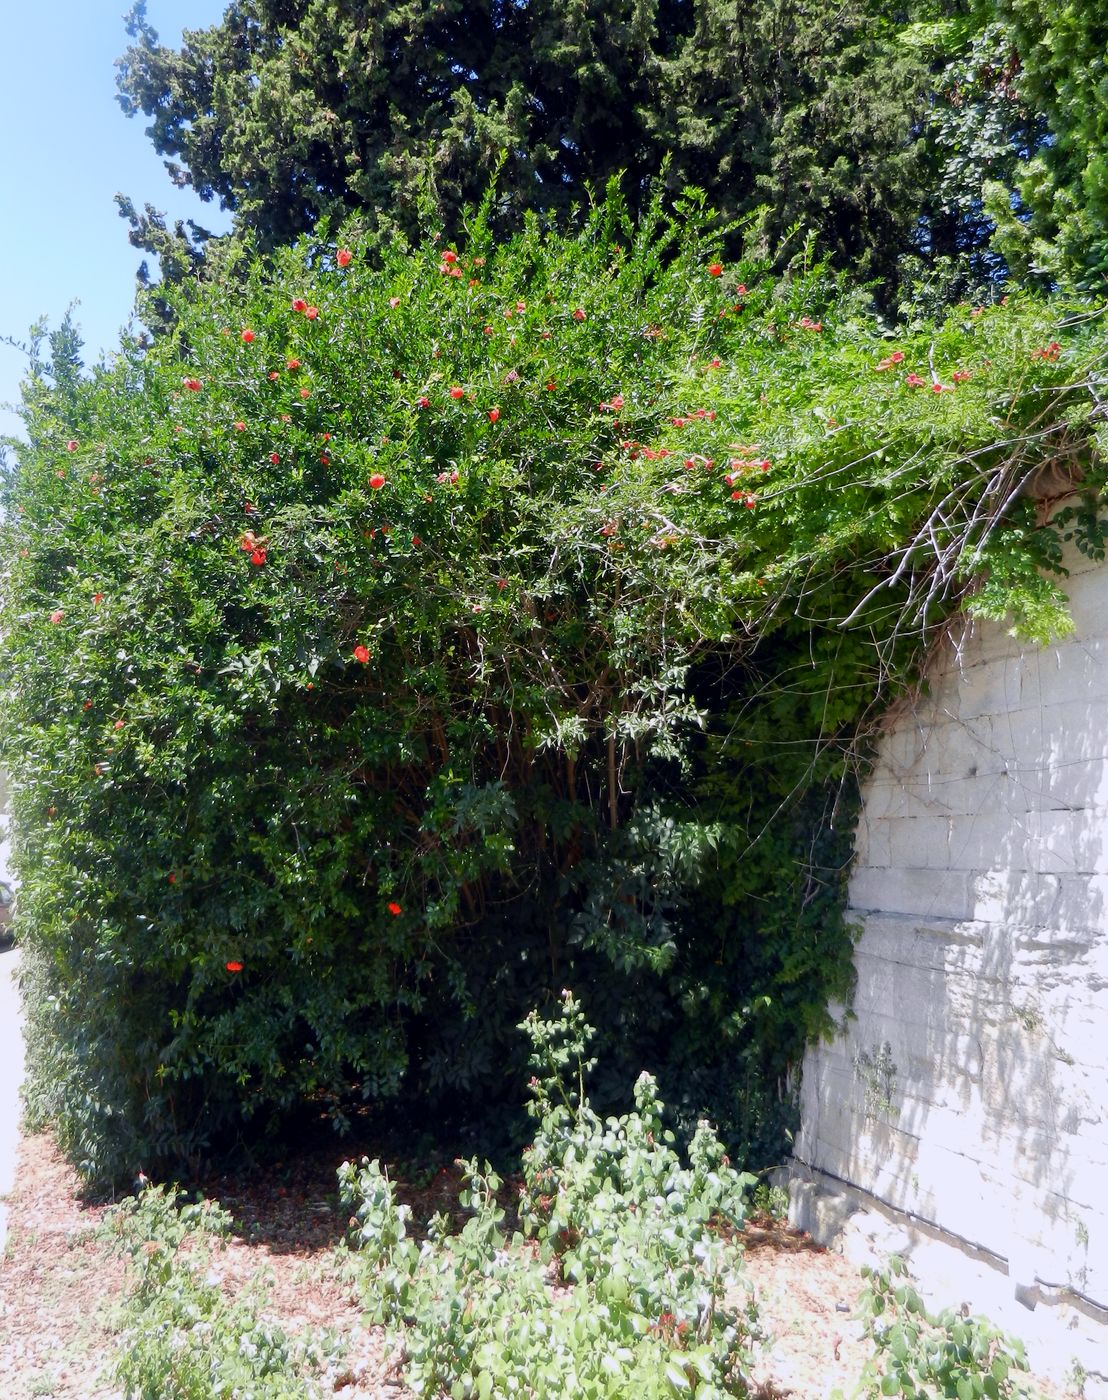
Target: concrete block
988 689
931 893
982 978
1015 896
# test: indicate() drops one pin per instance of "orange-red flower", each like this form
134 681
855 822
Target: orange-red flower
344 257
377 480
248 337
394 908
362 653
457 392
193 384
299 304
234 966
715 269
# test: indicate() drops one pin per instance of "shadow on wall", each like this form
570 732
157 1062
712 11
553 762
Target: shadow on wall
972 1087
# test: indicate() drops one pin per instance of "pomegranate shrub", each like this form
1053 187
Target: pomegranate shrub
408 635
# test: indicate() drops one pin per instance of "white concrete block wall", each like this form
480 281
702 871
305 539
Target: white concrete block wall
969 1089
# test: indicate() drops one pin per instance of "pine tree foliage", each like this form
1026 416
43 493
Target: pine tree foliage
291 111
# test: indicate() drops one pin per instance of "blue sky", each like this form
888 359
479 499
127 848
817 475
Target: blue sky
65 149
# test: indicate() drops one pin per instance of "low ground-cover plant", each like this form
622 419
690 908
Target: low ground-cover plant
633 1289
182 1337
925 1356
624 1278
400 640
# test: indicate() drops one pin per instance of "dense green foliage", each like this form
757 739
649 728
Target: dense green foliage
935 155
290 111
1063 51
651 1301
389 646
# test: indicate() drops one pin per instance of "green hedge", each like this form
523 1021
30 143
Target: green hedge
408 636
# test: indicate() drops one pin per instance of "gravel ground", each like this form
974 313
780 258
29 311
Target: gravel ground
59 1284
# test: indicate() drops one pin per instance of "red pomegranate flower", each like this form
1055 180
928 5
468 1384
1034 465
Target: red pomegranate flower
394 908
193 384
71 445
457 392
294 364
56 616
344 257
578 315
234 966
275 457
239 426
258 557
715 269
248 337
494 415
377 480
299 304
362 653
312 313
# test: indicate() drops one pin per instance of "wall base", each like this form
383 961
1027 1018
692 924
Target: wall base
1061 1330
